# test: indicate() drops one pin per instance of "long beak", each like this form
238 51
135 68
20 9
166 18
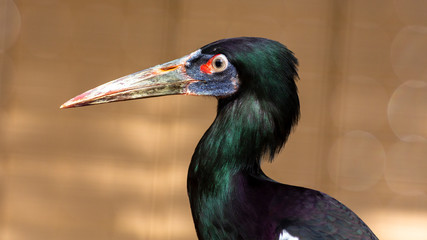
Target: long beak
165 79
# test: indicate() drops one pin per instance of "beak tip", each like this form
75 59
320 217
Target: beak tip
77 101
68 104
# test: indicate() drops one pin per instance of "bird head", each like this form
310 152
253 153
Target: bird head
219 69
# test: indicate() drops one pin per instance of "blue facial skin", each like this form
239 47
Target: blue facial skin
218 84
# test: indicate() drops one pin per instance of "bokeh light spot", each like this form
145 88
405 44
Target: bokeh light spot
407 111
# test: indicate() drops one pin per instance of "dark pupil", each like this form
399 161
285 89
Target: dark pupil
218 63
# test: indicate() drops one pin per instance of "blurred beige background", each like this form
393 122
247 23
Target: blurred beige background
118 171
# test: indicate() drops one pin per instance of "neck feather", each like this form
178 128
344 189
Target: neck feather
241 133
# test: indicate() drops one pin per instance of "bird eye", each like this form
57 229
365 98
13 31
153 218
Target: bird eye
219 63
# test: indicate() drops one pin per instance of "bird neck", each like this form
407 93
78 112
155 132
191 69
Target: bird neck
235 142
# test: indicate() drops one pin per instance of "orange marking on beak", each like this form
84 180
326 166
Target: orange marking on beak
169 68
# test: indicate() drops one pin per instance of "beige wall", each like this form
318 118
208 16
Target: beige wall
118 171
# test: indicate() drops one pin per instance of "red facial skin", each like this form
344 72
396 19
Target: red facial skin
207 67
